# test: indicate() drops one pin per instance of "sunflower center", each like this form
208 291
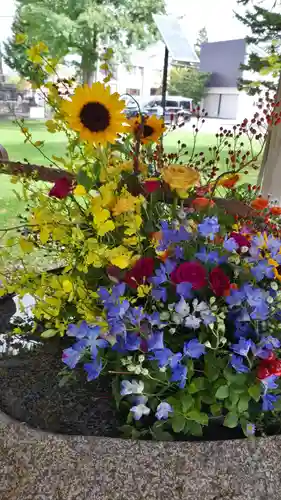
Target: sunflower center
147 131
95 116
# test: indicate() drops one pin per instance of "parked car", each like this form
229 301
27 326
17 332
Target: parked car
131 108
178 109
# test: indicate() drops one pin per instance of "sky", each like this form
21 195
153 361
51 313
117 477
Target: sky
216 15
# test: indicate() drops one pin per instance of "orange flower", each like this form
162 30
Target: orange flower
163 256
259 203
229 181
275 210
157 236
200 203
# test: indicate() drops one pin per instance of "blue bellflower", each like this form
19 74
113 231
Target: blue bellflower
209 227
194 349
93 369
238 364
242 347
268 401
163 410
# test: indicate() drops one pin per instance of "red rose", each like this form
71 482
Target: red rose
190 272
240 240
62 188
275 367
219 282
151 185
263 372
142 270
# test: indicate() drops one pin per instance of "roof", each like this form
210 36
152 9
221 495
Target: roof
223 60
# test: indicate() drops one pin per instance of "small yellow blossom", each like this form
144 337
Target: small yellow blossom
143 290
79 190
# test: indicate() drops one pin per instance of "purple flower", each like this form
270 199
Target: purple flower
159 294
256 298
179 374
269 383
250 429
235 298
179 253
212 257
132 342
238 365
131 387
163 410
184 290
209 227
72 355
79 332
270 342
135 315
242 347
93 369
160 276
155 341
267 402
166 357
94 342
140 410
230 244
193 349
262 270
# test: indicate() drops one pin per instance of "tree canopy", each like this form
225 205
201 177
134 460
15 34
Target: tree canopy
201 38
83 27
265 26
188 82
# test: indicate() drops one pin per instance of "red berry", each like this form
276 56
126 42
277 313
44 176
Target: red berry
263 372
275 367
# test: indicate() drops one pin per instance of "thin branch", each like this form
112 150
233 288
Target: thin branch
39 172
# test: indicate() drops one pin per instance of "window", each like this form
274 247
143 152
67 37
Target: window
133 91
185 105
172 104
155 91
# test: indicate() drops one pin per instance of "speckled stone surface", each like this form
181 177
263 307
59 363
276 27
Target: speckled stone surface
40 466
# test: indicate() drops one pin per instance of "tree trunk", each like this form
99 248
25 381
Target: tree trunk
270 173
89 63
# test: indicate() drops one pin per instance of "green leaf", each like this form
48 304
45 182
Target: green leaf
215 409
186 402
255 392
190 368
235 378
159 434
193 428
243 403
197 416
211 369
178 423
84 179
222 392
174 402
47 334
231 420
126 430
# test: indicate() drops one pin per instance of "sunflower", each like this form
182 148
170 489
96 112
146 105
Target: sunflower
153 128
95 113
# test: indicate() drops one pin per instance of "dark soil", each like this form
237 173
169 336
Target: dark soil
30 392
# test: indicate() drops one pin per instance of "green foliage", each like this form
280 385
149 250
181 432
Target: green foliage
188 82
201 38
265 26
82 26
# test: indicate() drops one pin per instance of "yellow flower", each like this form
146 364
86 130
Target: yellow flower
131 241
79 190
95 113
276 268
153 128
126 203
106 227
51 126
101 215
34 53
143 290
180 177
120 257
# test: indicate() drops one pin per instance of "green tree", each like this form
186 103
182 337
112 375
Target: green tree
265 58
201 38
188 82
84 27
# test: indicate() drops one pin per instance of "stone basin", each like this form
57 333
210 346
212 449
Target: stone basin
36 465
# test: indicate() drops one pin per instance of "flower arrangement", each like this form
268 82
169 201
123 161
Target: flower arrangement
174 296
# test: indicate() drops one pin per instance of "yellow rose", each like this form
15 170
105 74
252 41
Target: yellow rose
180 177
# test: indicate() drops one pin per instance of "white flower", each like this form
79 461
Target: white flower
137 370
192 322
145 372
163 410
182 308
274 285
177 318
133 387
139 411
141 358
